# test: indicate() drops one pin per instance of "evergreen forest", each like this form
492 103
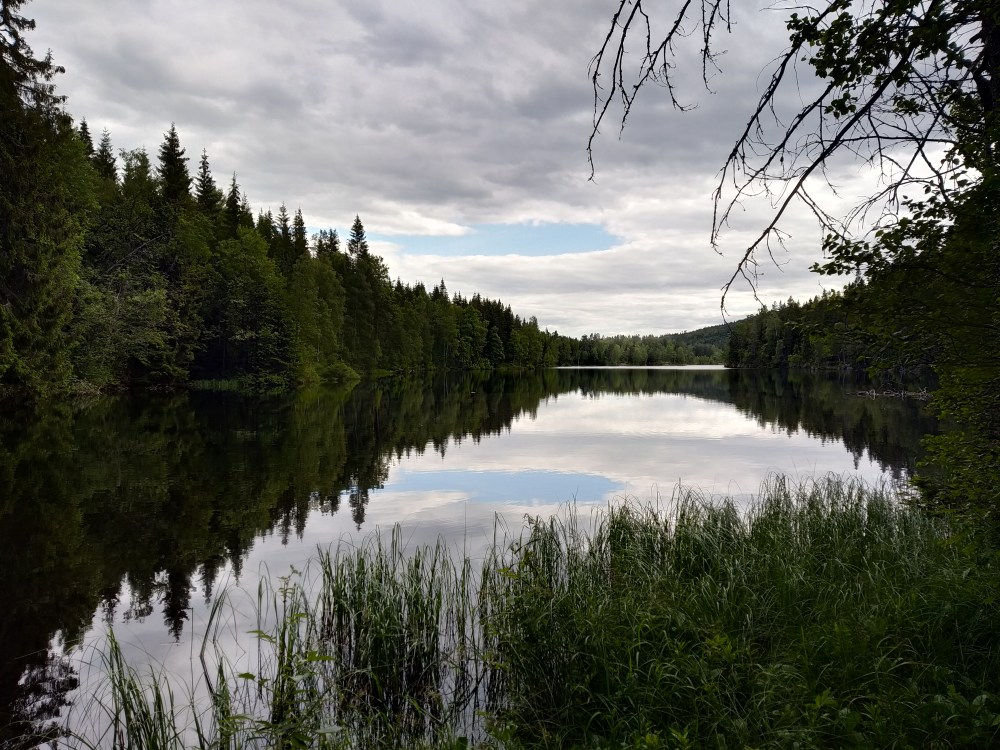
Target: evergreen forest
831 614
122 269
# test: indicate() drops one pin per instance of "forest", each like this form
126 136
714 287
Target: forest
158 279
830 614
126 270
130 270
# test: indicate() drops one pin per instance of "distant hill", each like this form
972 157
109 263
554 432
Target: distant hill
700 347
712 337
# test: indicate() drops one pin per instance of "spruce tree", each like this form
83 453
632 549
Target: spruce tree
104 159
88 142
357 245
138 183
265 227
44 202
207 195
280 248
231 211
175 181
246 213
327 243
300 243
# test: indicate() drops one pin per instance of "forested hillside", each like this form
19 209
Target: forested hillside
826 332
910 319
700 347
139 273
121 268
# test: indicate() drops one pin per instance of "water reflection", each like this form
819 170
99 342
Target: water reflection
134 507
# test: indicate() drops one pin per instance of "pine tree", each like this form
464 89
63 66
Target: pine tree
175 181
104 160
207 195
357 245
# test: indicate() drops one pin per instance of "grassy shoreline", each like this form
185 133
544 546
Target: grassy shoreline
828 615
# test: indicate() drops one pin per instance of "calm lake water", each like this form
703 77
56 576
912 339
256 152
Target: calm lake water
135 512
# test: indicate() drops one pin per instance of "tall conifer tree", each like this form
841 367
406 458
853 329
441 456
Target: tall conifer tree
104 159
207 195
231 211
300 242
357 244
88 142
44 200
175 180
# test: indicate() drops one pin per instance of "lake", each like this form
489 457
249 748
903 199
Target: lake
136 511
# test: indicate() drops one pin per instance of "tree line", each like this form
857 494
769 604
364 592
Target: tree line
701 347
927 318
157 278
128 270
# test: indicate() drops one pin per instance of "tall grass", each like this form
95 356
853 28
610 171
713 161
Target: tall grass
827 615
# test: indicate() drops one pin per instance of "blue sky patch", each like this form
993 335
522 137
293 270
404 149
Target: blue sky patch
507 486
508 239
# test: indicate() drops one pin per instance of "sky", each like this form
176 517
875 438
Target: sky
457 131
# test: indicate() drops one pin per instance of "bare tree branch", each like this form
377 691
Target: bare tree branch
898 78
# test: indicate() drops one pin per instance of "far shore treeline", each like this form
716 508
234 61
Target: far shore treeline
129 271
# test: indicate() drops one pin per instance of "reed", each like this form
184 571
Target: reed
828 614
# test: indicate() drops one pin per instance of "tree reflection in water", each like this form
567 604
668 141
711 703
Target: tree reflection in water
155 495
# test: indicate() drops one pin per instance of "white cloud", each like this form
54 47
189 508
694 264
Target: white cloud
427 119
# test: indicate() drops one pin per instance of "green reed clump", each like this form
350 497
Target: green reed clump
137 711
368 648
400 632
828 615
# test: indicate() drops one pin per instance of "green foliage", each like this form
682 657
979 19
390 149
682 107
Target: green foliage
46 194
357 244
253 338
316 306
825 333
104 159
816 621
137 282
169 491
826 615
174 178
701 347
945 247
207 195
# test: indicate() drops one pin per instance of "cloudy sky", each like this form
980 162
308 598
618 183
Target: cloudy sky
457 131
